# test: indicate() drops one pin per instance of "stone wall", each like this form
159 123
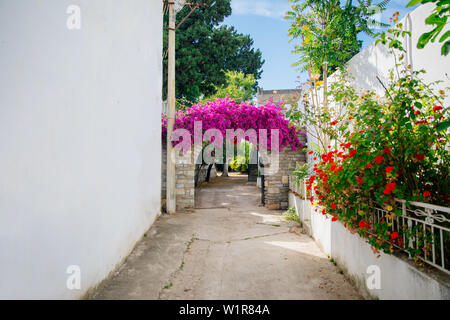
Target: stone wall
276 186
185 180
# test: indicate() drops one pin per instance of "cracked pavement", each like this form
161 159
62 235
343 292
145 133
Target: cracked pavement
228 248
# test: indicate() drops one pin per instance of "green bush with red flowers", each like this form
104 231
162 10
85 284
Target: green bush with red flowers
386 148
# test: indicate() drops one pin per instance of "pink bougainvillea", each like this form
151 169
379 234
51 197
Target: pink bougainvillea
223 114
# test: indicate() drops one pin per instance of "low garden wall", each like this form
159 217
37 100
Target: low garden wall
399 278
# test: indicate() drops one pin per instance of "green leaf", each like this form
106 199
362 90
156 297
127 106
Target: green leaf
413 3
424 39
445 48
443 125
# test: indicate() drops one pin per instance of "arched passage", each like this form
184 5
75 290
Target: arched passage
222 115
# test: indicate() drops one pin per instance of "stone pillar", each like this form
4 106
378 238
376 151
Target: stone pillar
277 185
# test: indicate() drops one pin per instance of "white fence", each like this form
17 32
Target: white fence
423 228
400 277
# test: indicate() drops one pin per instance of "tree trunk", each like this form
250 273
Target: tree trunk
225 168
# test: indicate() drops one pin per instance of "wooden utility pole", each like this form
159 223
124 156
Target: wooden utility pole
170 179
173 8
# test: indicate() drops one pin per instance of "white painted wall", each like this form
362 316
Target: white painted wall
399 278
375 59
80 140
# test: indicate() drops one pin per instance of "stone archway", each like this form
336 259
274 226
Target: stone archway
276 185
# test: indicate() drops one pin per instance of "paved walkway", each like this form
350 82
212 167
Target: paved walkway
229 248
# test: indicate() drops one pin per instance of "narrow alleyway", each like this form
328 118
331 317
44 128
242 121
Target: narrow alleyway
229 248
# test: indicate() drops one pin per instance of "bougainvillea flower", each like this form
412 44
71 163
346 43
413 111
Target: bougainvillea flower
334 219
324 212
437 108
379 159
389 169
369 165
348 145
419 156
333 206
394 235
426 194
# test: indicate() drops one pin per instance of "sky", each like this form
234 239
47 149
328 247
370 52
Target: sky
263 20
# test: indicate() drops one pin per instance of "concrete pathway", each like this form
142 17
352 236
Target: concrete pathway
229 248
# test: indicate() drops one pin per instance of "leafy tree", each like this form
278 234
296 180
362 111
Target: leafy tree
204 49
328 33
437 19
239 87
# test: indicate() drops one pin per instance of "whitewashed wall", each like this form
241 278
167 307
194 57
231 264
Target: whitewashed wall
79 140
375 59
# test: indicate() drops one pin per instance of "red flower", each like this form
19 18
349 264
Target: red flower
379 159
417 112
389 169
390 187
437 108
334 122
394 235
419 156
333 206
361 131
348 145
310 152
359 180
362 224
368 166
352 153
334 219
324 212
333 167
387 150
426 194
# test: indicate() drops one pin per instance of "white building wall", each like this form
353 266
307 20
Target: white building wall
375 60
80 140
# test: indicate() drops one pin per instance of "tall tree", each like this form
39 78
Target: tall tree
239 87
205 49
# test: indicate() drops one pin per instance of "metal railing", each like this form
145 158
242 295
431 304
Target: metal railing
424 230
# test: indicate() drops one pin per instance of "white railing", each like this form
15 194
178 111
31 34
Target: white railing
424 228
